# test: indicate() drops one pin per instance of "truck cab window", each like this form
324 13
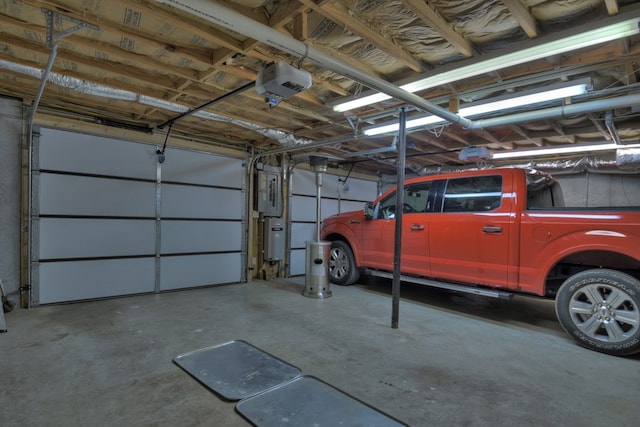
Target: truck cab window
473 194
416 200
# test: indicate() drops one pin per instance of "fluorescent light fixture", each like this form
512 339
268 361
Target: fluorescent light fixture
556 47
393 127
519 101
561 150
488 107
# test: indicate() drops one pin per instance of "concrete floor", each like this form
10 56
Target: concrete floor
456 360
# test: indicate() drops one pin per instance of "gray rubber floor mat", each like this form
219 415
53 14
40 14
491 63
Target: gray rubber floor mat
307 401
236 369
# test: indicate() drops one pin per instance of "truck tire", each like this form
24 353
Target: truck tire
600 309
342 264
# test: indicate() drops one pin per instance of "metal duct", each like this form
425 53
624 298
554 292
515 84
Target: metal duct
95 89
554 167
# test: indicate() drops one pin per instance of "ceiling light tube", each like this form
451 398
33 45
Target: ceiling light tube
578 41
561 150
488 107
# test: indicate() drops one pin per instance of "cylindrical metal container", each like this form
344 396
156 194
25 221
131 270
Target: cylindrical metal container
317 270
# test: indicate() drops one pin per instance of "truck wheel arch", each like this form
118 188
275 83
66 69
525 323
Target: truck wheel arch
569 264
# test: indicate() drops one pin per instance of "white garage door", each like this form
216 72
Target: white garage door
109 220
336 197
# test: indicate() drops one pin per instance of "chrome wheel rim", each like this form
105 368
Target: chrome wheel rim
338 263
604 313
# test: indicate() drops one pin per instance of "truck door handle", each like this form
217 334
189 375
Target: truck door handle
417 227
492 229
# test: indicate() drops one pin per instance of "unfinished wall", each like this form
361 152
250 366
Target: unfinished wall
600 189
10 149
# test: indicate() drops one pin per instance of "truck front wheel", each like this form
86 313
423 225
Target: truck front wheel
342 264
600 308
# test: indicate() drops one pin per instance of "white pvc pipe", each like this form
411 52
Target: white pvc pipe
562 111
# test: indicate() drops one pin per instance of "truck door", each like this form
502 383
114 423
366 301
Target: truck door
379 232
469 237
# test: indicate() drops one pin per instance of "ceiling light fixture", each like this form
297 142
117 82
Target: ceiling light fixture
582 148
578 41
489 107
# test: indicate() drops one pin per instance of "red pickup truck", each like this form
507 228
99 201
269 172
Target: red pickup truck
503 231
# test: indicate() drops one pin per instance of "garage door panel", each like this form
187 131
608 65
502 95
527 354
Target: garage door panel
336 197
109 219
186 271
297 263
88 238
90 196
304 182
195 168
302 232
94 155
200 236
182 201
78 280
329 207
348 206
303 208
359 189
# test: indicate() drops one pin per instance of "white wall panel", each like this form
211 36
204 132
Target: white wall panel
89 196
200 236
85 238
78 280
200 168
182 201
11 123
187 271
81 153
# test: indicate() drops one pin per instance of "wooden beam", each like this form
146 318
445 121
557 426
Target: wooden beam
523 133
612 7
598 125
433 19
520 13
343 16
300 27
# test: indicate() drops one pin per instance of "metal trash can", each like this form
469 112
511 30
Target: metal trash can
317 270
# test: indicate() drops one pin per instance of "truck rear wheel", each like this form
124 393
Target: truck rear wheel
342 264
600 308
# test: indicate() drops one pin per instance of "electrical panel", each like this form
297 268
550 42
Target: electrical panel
270 191
274 239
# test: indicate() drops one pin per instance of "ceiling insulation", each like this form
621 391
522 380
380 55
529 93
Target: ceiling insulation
149 61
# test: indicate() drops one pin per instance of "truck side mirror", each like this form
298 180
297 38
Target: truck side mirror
368 210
